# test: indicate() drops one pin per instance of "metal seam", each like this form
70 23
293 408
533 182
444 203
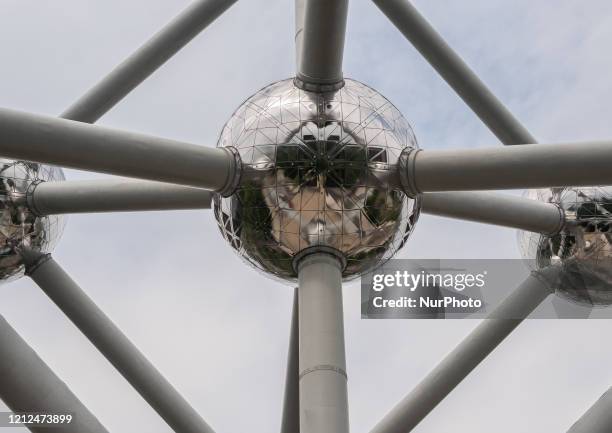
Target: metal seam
407 167
233 180
30 269
319 249
310 86
31 203
412 173
324 367
562 221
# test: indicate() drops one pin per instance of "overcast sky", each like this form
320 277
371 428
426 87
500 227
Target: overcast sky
216 328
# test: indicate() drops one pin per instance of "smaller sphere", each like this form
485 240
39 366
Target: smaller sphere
583 247
19 226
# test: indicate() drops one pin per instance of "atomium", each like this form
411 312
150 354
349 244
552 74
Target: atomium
319 170
19 225
583 247
305 169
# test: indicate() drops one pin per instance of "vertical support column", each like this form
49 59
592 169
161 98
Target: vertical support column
320 44
27 384
291 406
323 379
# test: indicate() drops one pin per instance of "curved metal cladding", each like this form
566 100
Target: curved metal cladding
319 170
20 225
583 246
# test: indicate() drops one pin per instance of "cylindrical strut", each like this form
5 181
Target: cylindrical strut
27 384
455 71
81 146
510 167
490 208
290 422
113 195
142 63
319 37
323 379
113 344
598 419
469 353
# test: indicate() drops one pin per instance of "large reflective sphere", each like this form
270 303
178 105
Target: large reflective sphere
319 170
18 225
583 247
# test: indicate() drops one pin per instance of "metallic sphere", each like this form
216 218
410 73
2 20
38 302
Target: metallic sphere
583 247
319 171
19 226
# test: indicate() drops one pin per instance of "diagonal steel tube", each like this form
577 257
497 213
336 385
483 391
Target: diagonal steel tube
142 63
78 145
455 71
113 344
299 6
510 167
49 198
27 384
598 419
319 35
499 209
323 381
290 422
411 410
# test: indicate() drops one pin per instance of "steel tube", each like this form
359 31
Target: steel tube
455 71
49 198
142 63
321 44
598 419
113 344
27 384
468 354
299 6
87 147
323 380
290 422
503 210
510 167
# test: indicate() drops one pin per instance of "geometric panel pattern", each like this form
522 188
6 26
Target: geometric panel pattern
19 226
583 247
318 170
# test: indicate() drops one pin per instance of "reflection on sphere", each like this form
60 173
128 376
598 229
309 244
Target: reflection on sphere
319 170
583 247
19 226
